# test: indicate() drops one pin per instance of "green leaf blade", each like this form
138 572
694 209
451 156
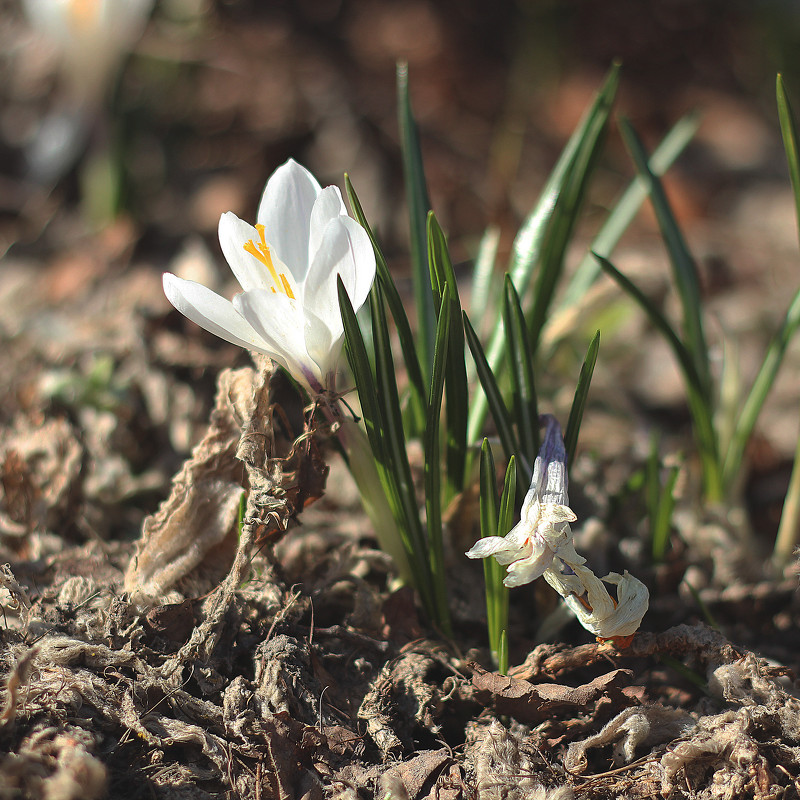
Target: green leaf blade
418 207
526 413
684 269
579 399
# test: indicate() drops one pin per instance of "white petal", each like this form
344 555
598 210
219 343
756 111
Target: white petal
233 235
337 254
554 489
529 569
280 323
486 547
554 513
359 282
212 312
566 552
321 344
519 535
632 602
531 501
596 594
285 212
565 584
328 205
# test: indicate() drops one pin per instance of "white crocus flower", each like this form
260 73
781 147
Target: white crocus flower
287 266
543 531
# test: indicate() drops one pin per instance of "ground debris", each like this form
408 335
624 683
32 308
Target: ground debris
506 767
531 703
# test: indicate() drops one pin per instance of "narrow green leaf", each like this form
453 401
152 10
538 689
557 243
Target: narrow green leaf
482 275
580 148
507 499
496 404
662 522
395 303
492 576
418 207
502 653
758 393
362 372
626 208
579 400
699 403
394 448
488 488
433 480
523 389
374 423
443 283
789 134
504 524
565 217
684 269
658 320
548 227
789 528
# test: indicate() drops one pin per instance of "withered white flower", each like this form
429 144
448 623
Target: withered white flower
594 607
541 545
543 531
287 266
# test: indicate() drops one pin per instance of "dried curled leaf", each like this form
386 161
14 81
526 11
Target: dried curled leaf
532 703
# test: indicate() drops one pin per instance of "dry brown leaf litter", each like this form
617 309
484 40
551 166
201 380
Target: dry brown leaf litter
166 692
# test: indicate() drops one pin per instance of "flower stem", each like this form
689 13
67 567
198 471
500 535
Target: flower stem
362 467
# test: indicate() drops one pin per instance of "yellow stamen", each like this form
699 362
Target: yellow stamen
261 252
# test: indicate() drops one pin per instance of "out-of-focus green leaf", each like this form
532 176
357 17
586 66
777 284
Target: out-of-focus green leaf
789 134
684 269
544 235
480 300
699 403
758 394
626 208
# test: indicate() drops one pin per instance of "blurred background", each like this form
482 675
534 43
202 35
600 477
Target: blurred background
214 95
128 127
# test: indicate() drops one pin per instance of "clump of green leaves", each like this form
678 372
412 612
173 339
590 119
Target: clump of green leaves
437 409
721 442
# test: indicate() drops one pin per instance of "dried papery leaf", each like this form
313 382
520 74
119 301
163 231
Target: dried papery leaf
40 467
530 703
505 769
201 512
53 767
408 778
400 690
631 729
16 680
